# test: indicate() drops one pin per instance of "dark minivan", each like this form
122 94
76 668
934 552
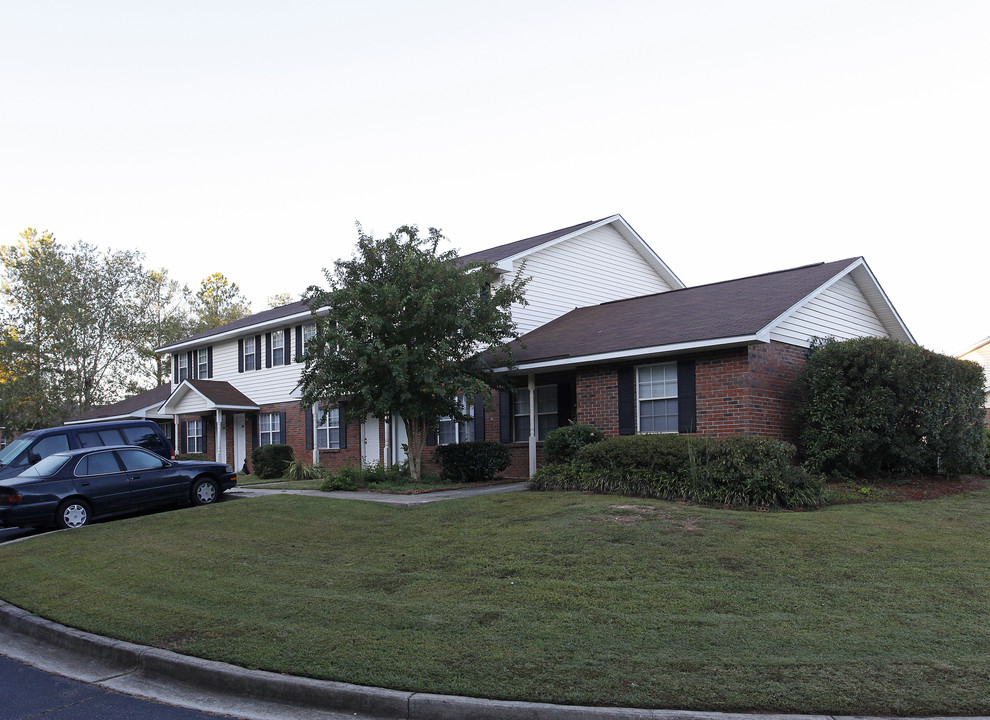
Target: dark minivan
29 448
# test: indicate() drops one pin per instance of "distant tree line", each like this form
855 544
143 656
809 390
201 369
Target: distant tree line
79 326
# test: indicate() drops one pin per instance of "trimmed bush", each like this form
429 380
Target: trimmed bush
739 471
271 461
472 462
347 478
562 445
875 406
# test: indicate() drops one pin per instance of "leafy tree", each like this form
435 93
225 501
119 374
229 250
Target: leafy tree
404 333
280 299
218 302
72 317
165 320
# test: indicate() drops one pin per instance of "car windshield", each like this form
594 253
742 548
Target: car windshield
9 453
46 467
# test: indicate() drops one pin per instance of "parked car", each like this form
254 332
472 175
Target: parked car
68 489
35 445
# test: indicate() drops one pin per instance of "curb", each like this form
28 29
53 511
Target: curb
217 687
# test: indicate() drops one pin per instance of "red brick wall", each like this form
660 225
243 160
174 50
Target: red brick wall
749 391
598 399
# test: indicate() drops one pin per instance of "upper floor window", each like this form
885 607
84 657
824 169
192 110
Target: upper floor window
203 363
182 362
249 354
308 333
278 348
546 412
656 397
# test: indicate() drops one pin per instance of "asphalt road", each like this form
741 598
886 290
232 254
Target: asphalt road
30 693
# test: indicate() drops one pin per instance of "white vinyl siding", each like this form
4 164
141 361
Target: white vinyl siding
840 311
265 386
592 268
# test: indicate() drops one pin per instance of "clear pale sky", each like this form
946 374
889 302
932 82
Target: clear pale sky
735 137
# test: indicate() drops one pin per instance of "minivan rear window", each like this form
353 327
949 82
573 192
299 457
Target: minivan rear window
99 438
144 437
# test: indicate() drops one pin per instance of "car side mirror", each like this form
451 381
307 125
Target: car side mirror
33 457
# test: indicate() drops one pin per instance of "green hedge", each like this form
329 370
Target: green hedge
562 445
874 406
472 462
271 461
740 471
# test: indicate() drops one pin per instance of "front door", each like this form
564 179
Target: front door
370 442
240 442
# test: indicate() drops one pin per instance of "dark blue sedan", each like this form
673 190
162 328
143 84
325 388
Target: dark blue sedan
68 489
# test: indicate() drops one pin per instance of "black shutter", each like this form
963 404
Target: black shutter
287 347
627 400
687 421
268 350
240 355
564 404
299 347
190 371
431 436
281 428
257 352
182 437
342 431
209 361
308 414
175 369
505 416
479 417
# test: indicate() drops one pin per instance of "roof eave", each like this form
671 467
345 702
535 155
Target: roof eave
245 330
565 363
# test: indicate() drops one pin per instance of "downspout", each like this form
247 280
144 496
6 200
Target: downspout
532 424
387 451
316 444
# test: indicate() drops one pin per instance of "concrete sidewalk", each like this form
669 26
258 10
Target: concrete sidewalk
388 498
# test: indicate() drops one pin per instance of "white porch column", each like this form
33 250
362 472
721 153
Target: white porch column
316 423
532 424
221 438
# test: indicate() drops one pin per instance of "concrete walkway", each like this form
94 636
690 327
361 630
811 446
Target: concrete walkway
389 498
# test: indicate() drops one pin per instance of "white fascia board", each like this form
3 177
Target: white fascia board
635 353
857 264
972 348
246 330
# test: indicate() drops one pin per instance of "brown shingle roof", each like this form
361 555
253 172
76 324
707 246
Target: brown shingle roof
222 393
509 249
125 407
734 308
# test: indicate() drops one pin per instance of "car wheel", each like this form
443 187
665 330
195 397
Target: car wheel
73 514
204 491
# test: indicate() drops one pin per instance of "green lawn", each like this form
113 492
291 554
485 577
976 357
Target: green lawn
876 609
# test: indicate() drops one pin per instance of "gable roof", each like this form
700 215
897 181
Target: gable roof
259 321
142 405
212 395
503 255
733 312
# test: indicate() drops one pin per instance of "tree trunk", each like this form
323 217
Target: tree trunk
416 442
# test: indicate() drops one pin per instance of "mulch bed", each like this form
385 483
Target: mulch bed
913 488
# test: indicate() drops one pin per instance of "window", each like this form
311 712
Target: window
271 428
546 412
182 360
135 459
203 363
328 430
98 464
657 398
249 358
308 333
278 348
451 432
194 436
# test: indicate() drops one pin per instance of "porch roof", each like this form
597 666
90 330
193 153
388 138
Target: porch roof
193 396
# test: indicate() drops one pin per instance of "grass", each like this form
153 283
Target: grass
387 484
875 609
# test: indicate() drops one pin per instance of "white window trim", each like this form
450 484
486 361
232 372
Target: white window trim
460 428
203 363
274 430
195 441
278 343
249 351
182 366
327 424
639 400
529 411
308 333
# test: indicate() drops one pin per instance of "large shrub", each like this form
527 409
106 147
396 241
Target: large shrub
876 406
472 462
739 471
562 445
271 461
